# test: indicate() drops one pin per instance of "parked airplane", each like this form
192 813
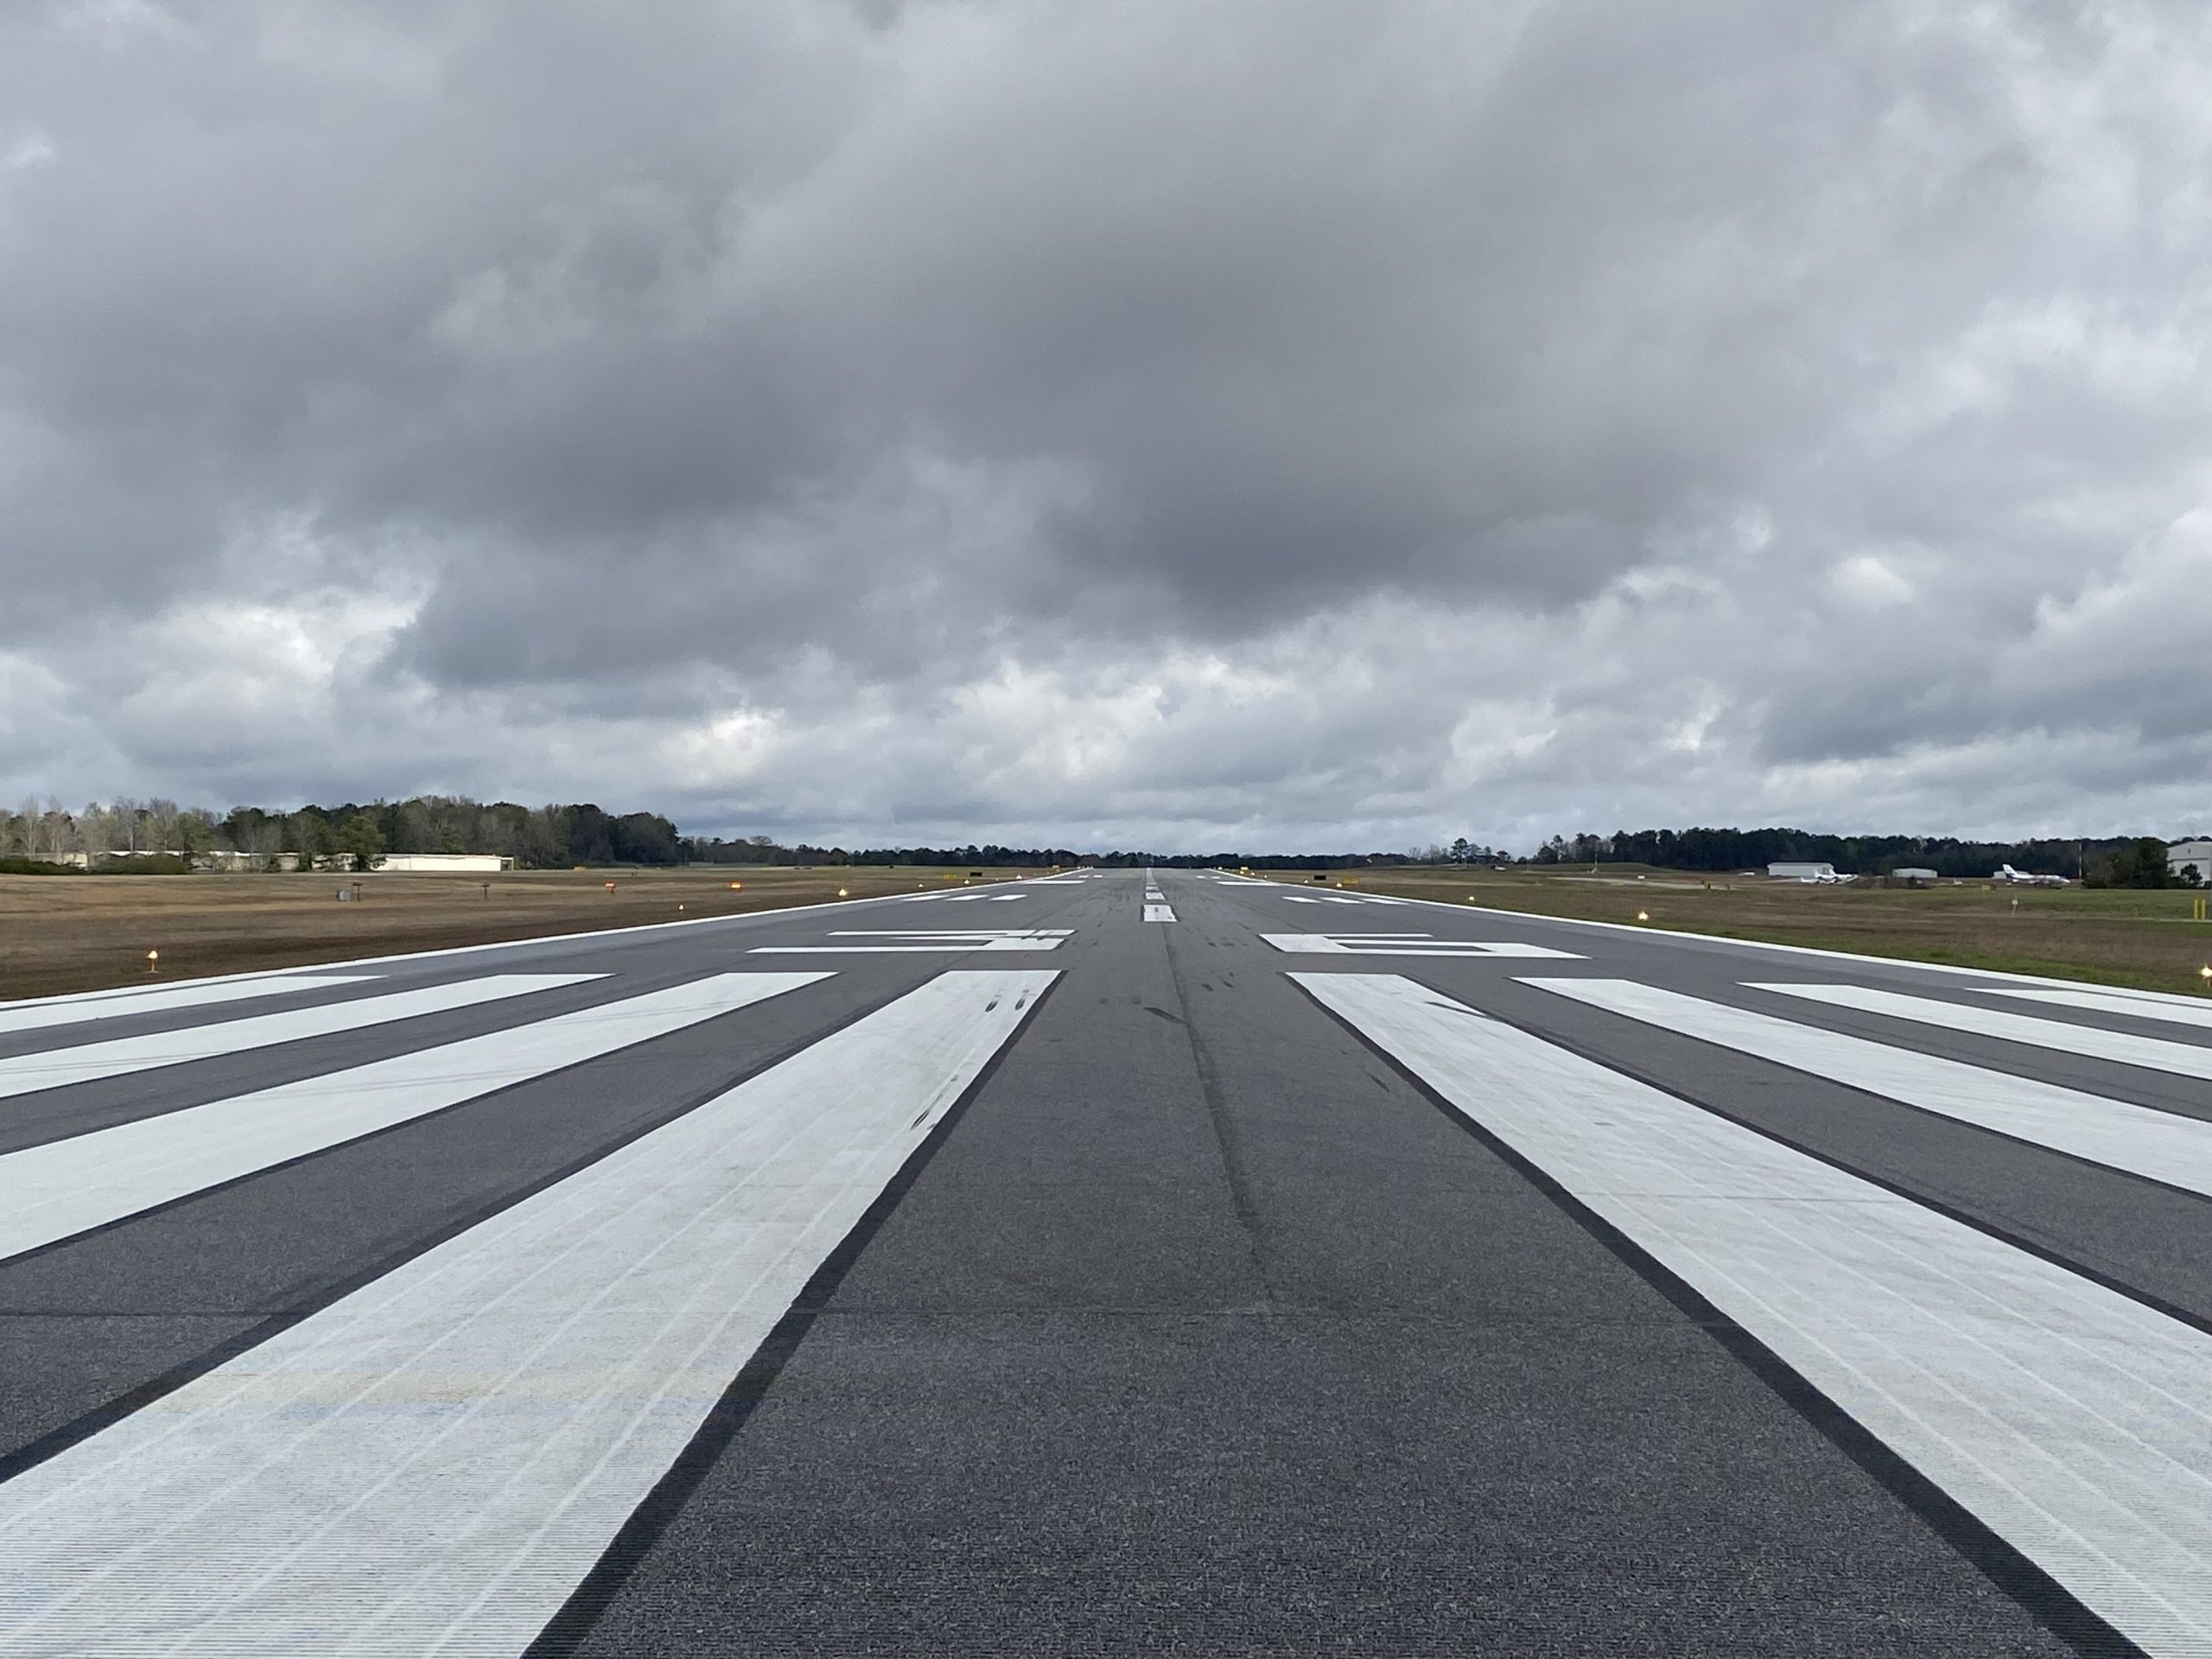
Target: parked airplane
2012 877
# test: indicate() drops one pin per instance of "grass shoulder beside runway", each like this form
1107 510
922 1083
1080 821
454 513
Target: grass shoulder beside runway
2142 940
79 933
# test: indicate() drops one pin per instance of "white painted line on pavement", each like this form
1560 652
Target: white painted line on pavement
2075 1422
1007 898
188 994
1405 944
2128 1003
1159 914
941 941
61 1188
1684 937
120 1056
2164 1146
2181 1059
435 1462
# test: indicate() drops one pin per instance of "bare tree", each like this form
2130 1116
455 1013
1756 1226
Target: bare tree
161 825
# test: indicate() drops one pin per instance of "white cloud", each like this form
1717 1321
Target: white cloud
1253 425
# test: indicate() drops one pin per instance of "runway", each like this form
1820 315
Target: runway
1115 1263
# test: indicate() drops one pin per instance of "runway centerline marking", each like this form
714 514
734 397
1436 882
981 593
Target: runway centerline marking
2073 1421
2162 1146
439 1459
1159 914
2181 1059
61 1188
24 1074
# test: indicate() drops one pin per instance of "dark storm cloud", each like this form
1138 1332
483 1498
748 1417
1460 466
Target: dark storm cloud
1265 418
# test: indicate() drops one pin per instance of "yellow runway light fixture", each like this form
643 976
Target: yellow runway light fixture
736 886
1643 915
841 892
153 962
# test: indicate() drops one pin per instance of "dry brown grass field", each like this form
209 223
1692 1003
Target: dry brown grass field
61 933
2116 937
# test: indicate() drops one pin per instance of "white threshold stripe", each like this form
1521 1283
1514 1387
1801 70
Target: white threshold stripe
2126 1003
159 999
2181 1059
2162 1146
61 1188
24 1074
1405 944
2074 1422
960 941
1159 914
431 1465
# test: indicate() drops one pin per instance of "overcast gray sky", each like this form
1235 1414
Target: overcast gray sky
1250 422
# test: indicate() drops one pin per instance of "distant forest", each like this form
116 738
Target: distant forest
152 835
2126 860
159 835
138 834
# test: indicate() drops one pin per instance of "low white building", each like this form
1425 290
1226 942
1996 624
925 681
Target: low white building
445 863
1820 871
2190 855
1912 875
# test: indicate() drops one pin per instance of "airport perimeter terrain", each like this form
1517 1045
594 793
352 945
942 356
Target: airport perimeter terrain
2112 935
77 933
73 933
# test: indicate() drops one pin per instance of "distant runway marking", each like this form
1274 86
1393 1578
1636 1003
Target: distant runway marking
1159 914
942 941
120 1056
61 1188
1406 945
435 1462
121 1005
1007 898
2074 1422
2162 1146
2181 1059
2135 1008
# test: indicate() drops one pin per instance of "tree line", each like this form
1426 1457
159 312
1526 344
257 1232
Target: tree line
2119 861
155 835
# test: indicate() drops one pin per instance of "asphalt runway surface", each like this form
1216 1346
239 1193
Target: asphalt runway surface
1106 1264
